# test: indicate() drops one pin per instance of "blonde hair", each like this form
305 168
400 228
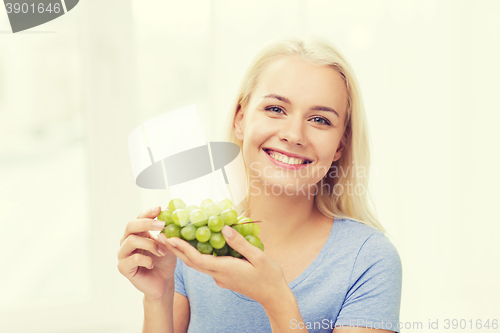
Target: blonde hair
356 153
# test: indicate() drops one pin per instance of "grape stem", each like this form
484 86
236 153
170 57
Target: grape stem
249 222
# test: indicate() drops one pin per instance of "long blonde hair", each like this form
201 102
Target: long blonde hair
356 154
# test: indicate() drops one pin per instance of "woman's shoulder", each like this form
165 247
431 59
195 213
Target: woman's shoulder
364 239
351 229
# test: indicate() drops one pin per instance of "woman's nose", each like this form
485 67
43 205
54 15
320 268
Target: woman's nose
293 132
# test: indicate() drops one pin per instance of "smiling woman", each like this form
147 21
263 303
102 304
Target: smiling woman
327 264
319 94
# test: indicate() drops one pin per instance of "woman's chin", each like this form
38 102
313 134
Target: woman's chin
282 186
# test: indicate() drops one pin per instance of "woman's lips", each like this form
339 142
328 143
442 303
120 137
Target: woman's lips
286 165
268 150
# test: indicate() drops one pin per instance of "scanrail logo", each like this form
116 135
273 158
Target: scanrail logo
26 14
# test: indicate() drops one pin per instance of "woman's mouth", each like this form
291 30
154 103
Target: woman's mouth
285 160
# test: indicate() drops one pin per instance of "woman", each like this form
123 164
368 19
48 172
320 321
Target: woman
327 265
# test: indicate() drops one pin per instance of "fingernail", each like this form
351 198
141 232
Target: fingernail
156 208
228 232
162 238
159 224
171 242
161 251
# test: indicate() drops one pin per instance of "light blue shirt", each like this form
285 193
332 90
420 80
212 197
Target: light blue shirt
355 280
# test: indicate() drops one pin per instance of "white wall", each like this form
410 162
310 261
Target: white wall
429 78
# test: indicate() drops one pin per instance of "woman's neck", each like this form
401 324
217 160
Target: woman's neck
285 217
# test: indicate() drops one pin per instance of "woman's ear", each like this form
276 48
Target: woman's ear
238 124
340 149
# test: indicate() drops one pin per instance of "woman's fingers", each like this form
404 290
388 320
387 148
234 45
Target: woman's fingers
162 238
150 213
141 226
178 253
236 241
129 266
134 242
144 222
205 263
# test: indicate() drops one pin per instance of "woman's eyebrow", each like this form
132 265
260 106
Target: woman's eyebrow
316 107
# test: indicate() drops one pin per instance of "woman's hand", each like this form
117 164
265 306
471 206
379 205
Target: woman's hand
144 260
259 278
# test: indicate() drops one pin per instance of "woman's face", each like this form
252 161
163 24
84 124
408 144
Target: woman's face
293 124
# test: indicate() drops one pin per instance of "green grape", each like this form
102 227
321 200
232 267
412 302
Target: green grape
217 240
204 247
215 223
176 204
229 217
201 226
188 232
222 251
189 209
245 219
205 202
256 230
255 241
234 253
244 229
237 227
199 218
166 216
225 204
212 209
172 230
203 234
180 217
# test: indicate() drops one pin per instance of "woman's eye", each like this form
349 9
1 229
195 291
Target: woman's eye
278 110
274 109
321 120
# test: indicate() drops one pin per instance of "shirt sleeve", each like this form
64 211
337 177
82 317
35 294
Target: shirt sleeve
374 297
179 279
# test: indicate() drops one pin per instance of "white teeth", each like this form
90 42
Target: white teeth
285 159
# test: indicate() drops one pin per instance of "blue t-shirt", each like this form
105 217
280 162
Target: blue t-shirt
355 280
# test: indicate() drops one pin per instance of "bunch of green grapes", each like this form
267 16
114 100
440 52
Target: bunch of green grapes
201 226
